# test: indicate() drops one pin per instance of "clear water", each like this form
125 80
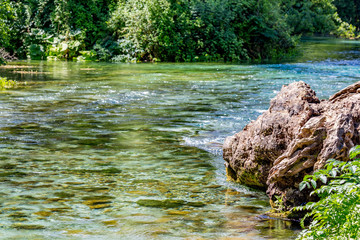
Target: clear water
133 151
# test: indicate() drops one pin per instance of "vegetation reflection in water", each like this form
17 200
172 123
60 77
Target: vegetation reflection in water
116 151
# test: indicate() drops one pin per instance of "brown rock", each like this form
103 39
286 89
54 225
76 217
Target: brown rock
294 137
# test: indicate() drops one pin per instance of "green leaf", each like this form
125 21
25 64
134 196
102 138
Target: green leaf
323 178
354 151
302 186
313 183
343 166
307 177
353 169
333 172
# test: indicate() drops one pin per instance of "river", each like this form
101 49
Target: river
133 151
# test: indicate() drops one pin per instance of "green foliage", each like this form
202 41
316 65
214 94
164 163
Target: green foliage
4 83
310 16
337 214
210 30
6 16
66 47
106 50
87 56
346 30
42 21
129 52
349 12
166 30
30 25
279 204
269 35
218 33
36 52
141 25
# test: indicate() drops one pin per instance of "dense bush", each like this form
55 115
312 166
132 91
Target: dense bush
349 11
6 16
337 214
140 26
164 30
209 30
56 23
346 30
311 16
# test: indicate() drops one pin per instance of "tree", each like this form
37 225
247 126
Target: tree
201 30
6 16
349 11
310 16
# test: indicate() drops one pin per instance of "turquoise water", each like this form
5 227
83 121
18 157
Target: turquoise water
133 151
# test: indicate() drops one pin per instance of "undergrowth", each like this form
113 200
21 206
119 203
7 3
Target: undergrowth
337 214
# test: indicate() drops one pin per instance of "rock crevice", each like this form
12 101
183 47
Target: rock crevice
294 137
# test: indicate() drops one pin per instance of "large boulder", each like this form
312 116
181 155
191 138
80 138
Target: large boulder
294 137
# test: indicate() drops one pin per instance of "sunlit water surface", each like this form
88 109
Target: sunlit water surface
133 151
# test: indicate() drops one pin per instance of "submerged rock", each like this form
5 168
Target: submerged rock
168 203
294 137
21 226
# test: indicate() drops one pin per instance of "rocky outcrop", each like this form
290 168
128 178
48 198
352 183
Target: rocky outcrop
294 137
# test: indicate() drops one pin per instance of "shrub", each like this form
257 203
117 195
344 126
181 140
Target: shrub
310 16
36 52
87 56
337 214
168 30
66 46
200 30
6 16
106 49
346 30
